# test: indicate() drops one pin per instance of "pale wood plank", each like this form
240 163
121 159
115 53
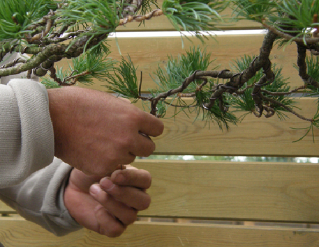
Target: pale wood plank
148 53
233 190
23 233
4 209
252 137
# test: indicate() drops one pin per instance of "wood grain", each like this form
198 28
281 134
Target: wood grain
233 191
4 209
287 192
19 233
149 52
252 137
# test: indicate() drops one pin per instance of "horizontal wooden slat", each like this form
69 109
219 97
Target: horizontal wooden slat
149 52
286 192
231 191
4 209
163 24
20 233
252 137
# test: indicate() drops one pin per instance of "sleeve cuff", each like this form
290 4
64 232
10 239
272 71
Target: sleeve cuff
37 144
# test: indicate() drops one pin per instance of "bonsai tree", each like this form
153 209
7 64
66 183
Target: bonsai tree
78 30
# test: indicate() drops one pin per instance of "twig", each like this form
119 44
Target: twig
75 77
48 22
140 18
180 106
286 107
13 63
140 86
283 93
286 36
239 92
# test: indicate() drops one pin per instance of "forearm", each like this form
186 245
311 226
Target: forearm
26 135
40 198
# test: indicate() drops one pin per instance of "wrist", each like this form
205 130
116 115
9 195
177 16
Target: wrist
59 108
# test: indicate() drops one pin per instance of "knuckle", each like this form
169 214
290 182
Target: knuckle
135 116
124 142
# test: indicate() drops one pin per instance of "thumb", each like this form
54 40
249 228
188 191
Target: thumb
81 181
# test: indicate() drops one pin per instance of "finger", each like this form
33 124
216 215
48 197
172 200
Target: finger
127 215
125 159
142 146
81 181
120 156
151 125
107 224
131 196
132 177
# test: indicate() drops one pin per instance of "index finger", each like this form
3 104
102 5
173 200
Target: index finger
151 125
132 177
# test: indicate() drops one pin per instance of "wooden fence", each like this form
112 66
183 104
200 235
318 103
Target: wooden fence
208 193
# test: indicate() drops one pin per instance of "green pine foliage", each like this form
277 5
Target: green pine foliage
175 72
313 71
49 83
193 16
147 7
313 124
290 16
84 69
78 22
17 15
177 69
313 68
245 103
100 16
254 10
96 64
296 14
123 79
223 119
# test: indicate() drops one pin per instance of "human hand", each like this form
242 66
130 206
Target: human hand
110 206
95 131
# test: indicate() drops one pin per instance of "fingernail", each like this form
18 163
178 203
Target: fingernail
95 189
107 184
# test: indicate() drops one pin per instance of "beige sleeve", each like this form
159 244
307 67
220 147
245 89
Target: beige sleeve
40 198
26 132
31 182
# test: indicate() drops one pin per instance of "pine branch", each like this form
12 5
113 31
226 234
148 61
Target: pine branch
305 40
285 107
140 18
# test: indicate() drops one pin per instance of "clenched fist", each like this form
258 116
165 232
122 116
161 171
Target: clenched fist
111 205
95 131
